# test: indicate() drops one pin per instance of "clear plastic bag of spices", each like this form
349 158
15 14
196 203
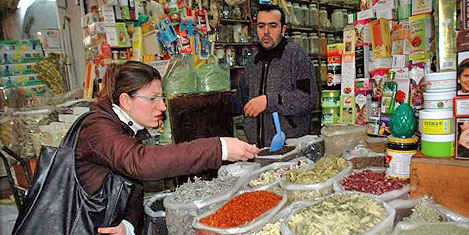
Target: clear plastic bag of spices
323 18
314 43
314 15
298 13
304 37
323 44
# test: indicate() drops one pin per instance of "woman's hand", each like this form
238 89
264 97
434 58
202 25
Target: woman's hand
240 150
118 230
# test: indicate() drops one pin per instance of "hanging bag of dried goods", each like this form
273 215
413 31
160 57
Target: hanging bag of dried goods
309 184
196 197
340 213
271 175
246 211
374 181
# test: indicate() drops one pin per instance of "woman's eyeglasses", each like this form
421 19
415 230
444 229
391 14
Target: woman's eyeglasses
153 99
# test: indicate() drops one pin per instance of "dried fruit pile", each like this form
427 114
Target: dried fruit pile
372 182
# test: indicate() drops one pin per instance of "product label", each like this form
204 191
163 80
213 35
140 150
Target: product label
330 101
462 107
442 84
436 126
438 104
398 163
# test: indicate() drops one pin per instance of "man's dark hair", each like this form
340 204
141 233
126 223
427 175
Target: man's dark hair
268 7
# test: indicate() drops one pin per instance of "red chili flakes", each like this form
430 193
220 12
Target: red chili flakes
242 209
372 182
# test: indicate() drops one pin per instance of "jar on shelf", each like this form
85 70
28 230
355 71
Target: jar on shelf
323 18
314 43
323 71
345 13
298 13
339 39
330 39
323 44
288 17
338 19
305 20
314 15
292 17
316 70
296 37
304 37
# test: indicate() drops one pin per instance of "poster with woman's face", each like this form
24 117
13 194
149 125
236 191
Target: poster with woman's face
462 138
463 73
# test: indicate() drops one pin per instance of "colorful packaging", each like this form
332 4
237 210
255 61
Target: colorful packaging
462 138
347 109
123 39
417 84
366 4
464 14
422 37
21 80
421 7
446 31
362 102
380 39
404 9
401 43
348 75
378 78
362 61
363 31
350 39
334 53
462 41
461 106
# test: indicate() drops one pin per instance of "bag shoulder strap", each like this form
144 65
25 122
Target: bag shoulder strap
70 139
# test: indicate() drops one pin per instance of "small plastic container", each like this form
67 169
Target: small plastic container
435 82
399 156
330 115
438 101
436 122
330 98
438 145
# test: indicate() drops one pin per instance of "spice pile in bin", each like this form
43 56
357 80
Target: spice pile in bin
242 209
372 182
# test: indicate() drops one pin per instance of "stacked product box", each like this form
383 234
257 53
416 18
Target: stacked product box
17 61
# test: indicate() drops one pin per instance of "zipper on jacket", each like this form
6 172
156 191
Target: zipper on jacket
260 118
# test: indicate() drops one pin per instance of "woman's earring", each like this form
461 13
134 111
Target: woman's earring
130 123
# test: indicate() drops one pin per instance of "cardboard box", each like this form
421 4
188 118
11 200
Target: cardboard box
347 84
422 35
347 109
380 39
362 61
401 43
350 39
363 32
366 15
421 7
463 74
446 31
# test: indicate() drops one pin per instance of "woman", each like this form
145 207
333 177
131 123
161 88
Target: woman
131 100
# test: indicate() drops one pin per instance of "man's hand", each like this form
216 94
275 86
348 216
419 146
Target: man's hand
239 150
255 106
118 230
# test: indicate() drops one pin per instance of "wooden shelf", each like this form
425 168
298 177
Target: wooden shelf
238 67
235 44
446 179
230 21
337 6
302 29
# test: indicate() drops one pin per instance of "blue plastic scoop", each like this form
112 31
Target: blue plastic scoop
279 138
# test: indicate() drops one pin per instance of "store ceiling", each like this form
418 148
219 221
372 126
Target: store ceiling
7 7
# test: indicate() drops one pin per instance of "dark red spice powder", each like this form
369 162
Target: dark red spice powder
242 209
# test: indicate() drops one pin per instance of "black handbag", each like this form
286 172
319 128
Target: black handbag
56 203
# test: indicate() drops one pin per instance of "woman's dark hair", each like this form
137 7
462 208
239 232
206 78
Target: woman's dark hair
126 78
269 7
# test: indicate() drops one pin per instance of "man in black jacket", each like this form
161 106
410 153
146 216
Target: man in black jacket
279 79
